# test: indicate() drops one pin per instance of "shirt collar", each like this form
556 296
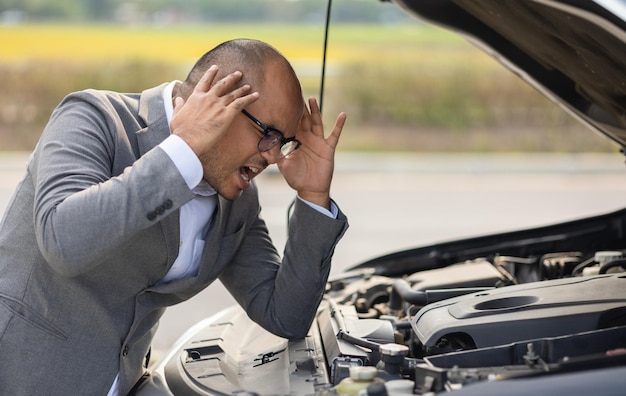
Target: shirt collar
167 100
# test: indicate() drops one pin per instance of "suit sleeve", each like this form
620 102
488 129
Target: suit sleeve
84 208
284 298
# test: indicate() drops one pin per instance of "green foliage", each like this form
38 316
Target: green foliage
404 88
31 91
443 104
257 11
443 96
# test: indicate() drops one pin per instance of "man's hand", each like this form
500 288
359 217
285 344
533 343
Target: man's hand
309 170
207 114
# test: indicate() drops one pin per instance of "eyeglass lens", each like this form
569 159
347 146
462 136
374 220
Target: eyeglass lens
288 148
272 138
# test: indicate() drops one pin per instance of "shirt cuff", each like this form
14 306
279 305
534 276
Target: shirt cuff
184 158
332 213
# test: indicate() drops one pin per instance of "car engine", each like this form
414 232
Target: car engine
478 326
481 321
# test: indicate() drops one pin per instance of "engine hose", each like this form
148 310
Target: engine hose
372 346
401 291
612 264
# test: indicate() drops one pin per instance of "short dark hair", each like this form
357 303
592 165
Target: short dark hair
246 55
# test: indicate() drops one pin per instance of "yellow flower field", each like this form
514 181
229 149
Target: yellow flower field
181 44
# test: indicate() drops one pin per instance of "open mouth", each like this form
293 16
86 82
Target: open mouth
247 173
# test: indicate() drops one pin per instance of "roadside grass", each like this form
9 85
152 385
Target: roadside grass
405 87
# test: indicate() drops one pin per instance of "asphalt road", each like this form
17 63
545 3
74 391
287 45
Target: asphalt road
401 201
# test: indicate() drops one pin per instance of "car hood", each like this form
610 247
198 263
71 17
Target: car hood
574 52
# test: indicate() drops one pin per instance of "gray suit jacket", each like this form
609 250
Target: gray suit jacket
94 225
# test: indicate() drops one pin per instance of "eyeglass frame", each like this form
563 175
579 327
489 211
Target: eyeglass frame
266 132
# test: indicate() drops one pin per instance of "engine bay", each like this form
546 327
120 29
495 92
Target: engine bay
473 326
482 321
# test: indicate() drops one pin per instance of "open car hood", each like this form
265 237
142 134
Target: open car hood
572 51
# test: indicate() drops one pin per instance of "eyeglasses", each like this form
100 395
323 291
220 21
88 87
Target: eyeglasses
272 137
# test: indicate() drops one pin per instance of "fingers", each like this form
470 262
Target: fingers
312 122
206 115
207 80
305 121
178 103
240 99
223 88
317 127
333 139
315 108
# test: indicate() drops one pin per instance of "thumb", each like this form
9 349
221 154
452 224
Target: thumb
178 102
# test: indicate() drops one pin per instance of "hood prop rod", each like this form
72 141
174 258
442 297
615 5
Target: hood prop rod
323 78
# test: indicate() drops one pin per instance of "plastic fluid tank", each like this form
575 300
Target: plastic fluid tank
360 378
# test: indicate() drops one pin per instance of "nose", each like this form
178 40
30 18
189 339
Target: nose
271 156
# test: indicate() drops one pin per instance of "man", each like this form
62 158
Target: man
134 202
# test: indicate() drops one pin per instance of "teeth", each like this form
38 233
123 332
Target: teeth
244 175
244 172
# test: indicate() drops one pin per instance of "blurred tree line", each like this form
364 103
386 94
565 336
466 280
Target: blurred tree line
196 10
433 97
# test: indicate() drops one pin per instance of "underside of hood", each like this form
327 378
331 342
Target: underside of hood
574 52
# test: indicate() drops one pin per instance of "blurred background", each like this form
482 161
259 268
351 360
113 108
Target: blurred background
394 75
441 141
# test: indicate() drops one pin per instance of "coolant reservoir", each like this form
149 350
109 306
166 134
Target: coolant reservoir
401 387
360 378
602 257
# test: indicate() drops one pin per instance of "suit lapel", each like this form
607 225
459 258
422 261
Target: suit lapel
152 112
214 239
184 288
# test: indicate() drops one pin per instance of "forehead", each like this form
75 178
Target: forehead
280 104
